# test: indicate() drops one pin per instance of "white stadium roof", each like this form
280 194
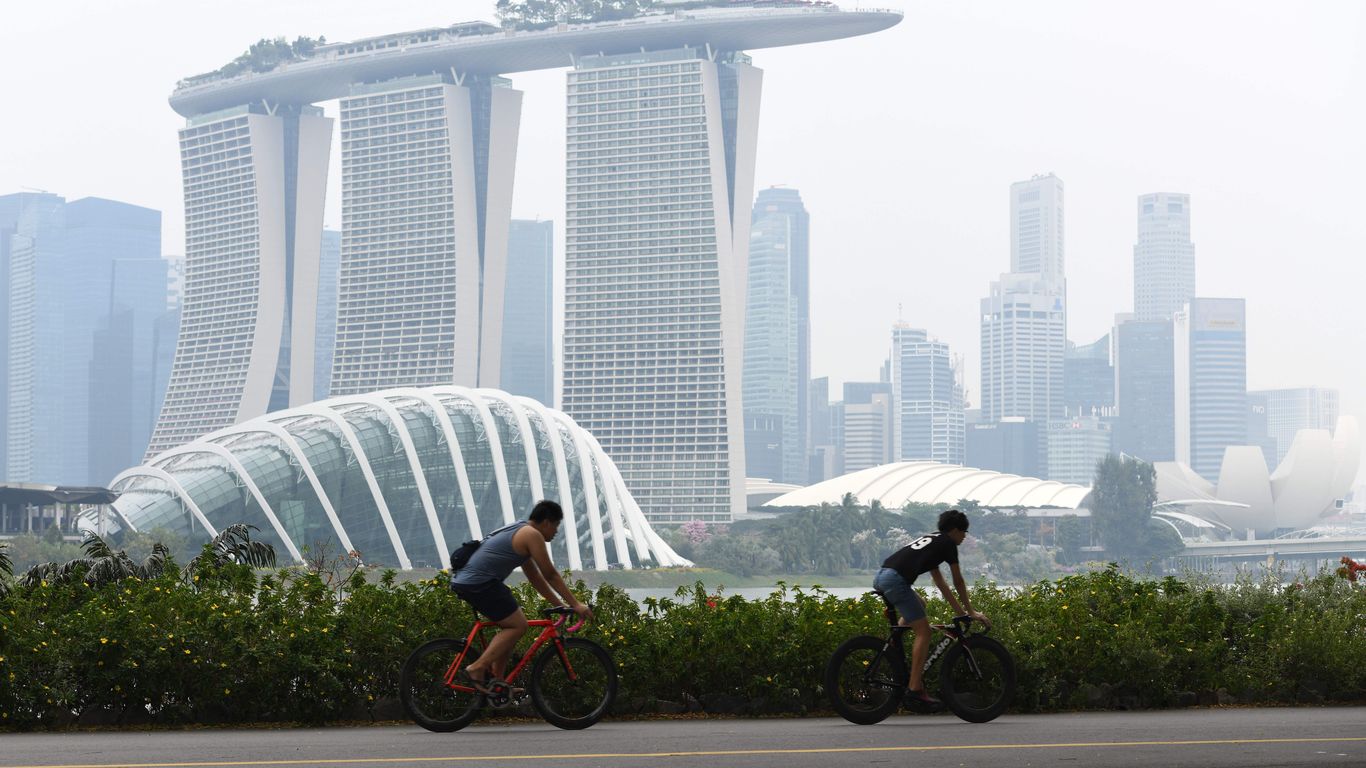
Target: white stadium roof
929 482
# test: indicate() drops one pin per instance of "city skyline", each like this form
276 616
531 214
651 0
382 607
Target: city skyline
1100 227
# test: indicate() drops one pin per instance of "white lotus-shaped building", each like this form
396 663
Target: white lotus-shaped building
1319 469
402 476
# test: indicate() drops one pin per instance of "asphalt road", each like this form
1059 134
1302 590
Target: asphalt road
1245 738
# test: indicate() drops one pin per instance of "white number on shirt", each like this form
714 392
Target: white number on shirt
922 542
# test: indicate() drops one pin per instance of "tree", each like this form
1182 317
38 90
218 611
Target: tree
1122 498
1071 537
100 565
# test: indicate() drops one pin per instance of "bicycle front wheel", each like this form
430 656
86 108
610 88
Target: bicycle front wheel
865 679
978 679
573 683
426 697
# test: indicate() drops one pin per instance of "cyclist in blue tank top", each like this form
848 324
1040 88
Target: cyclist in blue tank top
895 580
480 583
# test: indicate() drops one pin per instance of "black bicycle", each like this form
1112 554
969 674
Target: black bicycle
866 677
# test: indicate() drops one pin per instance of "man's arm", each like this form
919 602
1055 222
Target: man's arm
962 587
537 581
540 559
938 577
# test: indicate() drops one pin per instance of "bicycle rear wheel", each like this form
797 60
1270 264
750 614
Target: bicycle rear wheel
978 679
573 683
865 679
426 697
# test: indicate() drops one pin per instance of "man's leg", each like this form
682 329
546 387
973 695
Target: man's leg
919 650
495 658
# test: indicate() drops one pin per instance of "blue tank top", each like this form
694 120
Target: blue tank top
495 559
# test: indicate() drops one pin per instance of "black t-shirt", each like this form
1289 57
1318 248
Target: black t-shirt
923 554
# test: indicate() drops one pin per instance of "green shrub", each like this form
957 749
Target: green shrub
229 645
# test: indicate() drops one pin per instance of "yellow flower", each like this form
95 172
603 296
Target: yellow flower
104 640
187 651
227 691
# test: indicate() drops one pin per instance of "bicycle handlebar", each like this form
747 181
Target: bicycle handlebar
563 613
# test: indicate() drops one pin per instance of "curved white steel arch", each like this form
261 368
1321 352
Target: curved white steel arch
937 487
148 470
500 471
925 475
987 476
462 476
533 462
349 435
380 400
269 427
613 503
204 446
890 470
552 432
590 491
632 521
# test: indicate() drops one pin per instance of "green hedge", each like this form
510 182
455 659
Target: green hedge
235 647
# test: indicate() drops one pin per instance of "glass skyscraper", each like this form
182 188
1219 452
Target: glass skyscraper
1290 410
1164 256
928 422
1210 360
528 312
660 178
777 338
326 326
1145 398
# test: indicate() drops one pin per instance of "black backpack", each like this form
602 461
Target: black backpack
460 556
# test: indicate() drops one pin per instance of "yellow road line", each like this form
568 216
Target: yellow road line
709 753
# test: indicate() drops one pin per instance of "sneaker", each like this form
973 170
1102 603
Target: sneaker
921 701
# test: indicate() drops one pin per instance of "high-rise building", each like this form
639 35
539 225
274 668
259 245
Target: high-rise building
777 339
823 458
1075 446
1011 445
329 263
1290 410
528 312
1145 398
1036 227
11 208
866 423
123 388
254 180
1024 342
1164 256
427 166
61 259
1258 428
928 399
660 178
1210 361
1088 379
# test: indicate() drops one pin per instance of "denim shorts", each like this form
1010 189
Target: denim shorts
900 593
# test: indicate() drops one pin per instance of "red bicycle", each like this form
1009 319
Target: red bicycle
572 685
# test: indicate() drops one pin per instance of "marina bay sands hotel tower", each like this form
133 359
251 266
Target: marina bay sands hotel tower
662 132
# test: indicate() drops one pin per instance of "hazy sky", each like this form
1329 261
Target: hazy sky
903 145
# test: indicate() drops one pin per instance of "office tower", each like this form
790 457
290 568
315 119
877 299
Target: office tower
1036 227
1290 410
1075 446
427 166
928 420
1210 361
123 378
1145 398
1088 379
1259 428
61 259
660 175
823 458
866 424
254 181
329 263
1010 445
1024 341
528 312
777 339
11 206
1164 257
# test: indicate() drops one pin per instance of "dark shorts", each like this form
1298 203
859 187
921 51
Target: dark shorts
492 598
899 593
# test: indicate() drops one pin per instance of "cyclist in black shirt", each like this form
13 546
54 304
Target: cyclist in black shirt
895 580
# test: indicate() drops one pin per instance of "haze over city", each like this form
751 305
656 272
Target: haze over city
903 145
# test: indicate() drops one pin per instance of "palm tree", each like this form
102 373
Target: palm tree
234 545
6 568
101 565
